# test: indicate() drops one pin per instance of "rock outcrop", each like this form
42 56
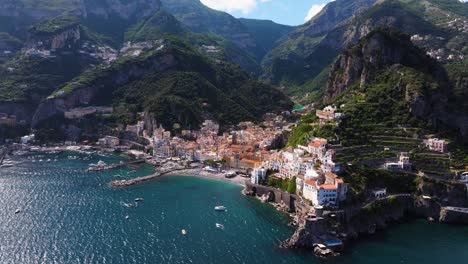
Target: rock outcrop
378 51
57 40
57 105
453 215
331 16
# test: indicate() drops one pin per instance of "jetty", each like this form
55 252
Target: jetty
103 166
129 182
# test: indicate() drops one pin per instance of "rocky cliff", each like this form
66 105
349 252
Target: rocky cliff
87 94
376 52
353 222
331 16
427 95
56 40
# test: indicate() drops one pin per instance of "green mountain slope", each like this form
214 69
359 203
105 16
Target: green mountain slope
392 96
174 82
433 25
266 32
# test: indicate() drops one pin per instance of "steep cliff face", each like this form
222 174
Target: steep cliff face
420 83
433 27
378 51
297 58
331 16
174 83
56 40
355 222
88 94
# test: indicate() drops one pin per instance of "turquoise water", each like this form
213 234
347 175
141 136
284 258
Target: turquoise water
69 216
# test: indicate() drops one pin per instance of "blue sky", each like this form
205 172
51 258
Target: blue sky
289 12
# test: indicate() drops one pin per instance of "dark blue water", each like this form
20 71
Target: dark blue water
69 216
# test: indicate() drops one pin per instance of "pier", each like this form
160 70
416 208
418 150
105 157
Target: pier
129 182
114 166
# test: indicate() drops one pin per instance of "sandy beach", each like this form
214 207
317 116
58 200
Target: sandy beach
203 174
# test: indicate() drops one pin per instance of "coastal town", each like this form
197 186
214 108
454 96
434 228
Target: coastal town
301 180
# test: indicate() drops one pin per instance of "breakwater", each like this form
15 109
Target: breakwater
129 182
113 166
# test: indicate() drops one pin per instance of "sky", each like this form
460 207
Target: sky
288 12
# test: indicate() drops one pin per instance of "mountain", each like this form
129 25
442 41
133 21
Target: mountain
266 32
289 62
45 44
173 82
433 24
201 19
392 96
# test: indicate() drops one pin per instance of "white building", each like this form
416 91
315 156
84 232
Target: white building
331 192
325 194
436 144
109 141
258 174
27 139
403 163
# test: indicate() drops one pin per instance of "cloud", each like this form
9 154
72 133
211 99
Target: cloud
245 6
314 10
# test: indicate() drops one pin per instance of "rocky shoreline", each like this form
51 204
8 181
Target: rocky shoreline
327 233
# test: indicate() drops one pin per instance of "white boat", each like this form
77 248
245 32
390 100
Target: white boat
220 208
220 226
184 232
17 211
128 205
139 199
127 217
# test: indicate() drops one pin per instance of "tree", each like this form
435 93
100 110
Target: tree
292 185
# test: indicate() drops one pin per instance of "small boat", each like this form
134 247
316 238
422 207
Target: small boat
127 217
219 226
139 199
184 232
17 211
220 208
128 205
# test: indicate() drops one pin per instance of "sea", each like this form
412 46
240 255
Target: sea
67 215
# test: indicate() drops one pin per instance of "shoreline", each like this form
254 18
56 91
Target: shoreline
238 180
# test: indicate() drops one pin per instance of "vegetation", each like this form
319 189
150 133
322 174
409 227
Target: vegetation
55 25
361 179
266 32
184 91
287 185
303 132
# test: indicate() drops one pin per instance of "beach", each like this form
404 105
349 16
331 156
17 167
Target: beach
238 180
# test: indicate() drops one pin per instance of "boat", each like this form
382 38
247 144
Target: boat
139 199
220 208
184 232
17 211
220 226
128 205
127 217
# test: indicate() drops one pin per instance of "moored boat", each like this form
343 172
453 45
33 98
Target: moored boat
220 208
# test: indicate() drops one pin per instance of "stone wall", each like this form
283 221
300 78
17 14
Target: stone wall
454 215
275 195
